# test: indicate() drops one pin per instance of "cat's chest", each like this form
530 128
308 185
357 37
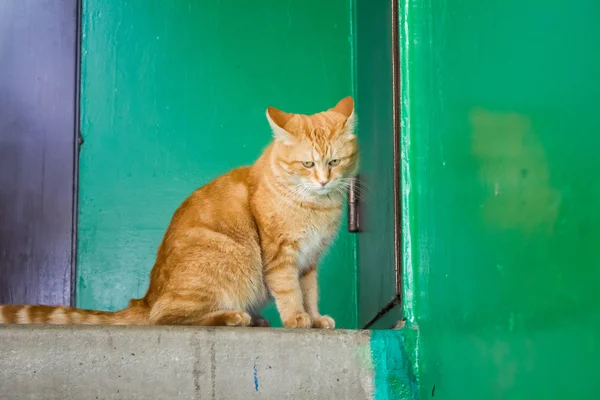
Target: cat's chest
311 244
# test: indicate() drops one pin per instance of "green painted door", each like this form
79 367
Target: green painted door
377 280
173 94
502 136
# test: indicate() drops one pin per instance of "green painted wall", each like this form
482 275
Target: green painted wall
501 139
174 94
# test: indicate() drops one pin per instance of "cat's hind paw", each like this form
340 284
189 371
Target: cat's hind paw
237 318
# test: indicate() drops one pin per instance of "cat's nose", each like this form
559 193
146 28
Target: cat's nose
323 183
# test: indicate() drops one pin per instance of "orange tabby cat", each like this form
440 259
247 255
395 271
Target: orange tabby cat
254 233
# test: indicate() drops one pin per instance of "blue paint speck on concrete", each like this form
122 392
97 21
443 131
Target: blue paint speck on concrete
394 377
255 376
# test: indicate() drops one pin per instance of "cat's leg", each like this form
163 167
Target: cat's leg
310 293
180 310
281 277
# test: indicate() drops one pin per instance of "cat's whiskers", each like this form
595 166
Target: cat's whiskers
361 189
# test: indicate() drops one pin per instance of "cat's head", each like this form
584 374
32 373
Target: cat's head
316 153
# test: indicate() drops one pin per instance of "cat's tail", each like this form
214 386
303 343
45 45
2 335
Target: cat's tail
135 314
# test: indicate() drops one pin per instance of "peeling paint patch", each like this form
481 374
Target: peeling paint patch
394 377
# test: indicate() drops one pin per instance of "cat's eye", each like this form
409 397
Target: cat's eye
308 164
334 162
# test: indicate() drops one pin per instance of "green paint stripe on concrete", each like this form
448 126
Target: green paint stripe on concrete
394 378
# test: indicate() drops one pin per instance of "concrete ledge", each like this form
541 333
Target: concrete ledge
145 363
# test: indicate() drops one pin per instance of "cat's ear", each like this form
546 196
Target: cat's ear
346 108
277 119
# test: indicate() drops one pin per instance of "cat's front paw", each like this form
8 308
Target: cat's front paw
323 322
299 320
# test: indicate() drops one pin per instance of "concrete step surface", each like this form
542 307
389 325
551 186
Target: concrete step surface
146 363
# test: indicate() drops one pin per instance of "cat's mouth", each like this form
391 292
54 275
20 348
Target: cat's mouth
324 191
